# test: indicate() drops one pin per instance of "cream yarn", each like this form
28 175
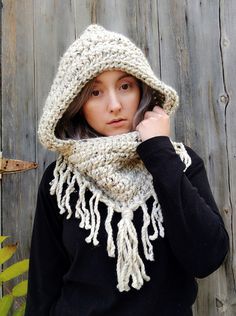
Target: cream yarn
110 168
95 51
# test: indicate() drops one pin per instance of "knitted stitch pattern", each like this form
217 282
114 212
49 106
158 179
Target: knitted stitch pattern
110 168
95 51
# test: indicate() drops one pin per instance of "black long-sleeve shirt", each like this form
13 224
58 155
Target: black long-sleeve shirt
69 277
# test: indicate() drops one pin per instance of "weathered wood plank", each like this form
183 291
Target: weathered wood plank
136 19
228 48
191 46
84 14
18 132
54 30
191 62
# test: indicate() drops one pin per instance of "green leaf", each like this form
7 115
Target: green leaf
5 304
20 289
14 270
20 311
2 238
7 252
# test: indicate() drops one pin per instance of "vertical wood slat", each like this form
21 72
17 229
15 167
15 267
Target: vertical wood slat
136 19
190 44
200 119
18 124
228 47
53 31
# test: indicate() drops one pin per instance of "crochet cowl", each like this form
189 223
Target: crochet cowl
108 167
111 170
95 51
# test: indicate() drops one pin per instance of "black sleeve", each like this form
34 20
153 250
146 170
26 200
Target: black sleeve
192 222
48 259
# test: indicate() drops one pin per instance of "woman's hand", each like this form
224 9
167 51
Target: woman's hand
155 123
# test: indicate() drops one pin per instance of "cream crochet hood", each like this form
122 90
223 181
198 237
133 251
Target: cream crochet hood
95 51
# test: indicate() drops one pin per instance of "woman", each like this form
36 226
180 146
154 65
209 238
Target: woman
125 217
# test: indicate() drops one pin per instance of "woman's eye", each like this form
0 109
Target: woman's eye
125 86
95 93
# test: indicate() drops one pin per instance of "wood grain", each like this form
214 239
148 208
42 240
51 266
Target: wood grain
191 46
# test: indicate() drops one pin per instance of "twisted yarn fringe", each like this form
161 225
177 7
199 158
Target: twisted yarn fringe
130 266
129 262
182 152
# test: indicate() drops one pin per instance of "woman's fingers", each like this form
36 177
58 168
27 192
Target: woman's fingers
157 110
155 123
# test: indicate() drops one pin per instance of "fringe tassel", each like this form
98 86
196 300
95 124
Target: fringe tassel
129 263
69 190
95 220
182 152
156 217
62 174
80 210
110 242
147 246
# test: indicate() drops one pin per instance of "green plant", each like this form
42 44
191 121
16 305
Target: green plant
18 292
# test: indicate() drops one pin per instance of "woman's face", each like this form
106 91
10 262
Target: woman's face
113 103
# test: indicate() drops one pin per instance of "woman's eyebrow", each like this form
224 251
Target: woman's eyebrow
125 76
121 77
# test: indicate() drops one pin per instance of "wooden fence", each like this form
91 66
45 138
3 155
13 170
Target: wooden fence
191 45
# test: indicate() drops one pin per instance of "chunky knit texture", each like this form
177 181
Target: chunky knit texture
95 51
110 168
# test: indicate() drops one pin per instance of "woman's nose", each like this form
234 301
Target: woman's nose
114 104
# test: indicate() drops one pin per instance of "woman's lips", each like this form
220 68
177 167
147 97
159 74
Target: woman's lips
117 122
